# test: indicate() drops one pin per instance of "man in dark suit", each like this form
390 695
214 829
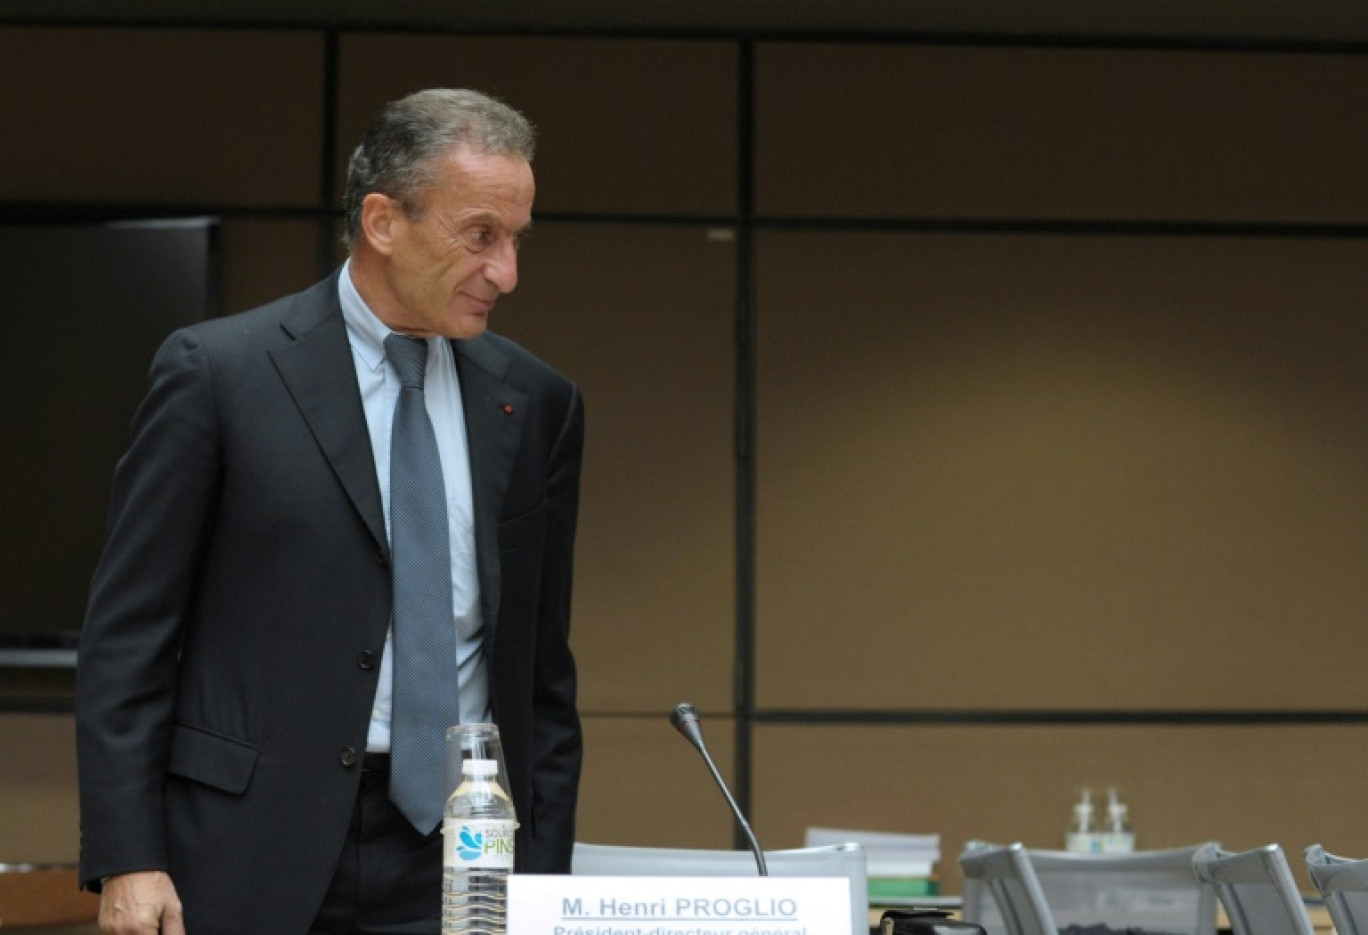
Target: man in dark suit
235 673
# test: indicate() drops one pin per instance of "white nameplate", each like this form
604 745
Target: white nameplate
571 905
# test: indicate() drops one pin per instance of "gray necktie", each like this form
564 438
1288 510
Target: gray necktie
426 690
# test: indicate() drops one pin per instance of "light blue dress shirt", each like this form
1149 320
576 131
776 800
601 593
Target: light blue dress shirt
379 386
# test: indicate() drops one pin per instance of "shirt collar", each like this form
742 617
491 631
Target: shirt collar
367 333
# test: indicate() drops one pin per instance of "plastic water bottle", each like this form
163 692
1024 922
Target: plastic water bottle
1119 838
478 827
1083 836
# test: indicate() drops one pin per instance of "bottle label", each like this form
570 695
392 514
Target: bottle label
1118 842
1083 842
478 844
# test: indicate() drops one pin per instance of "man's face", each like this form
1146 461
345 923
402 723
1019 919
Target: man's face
458 253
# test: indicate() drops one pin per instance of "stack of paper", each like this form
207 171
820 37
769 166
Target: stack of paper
900 866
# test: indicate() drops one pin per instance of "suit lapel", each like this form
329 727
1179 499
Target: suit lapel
495 413
318 370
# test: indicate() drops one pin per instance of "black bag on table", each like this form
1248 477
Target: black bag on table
925 922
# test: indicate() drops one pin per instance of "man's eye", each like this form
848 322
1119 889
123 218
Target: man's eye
479 237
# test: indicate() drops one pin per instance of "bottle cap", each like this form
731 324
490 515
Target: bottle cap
480 768
1114 804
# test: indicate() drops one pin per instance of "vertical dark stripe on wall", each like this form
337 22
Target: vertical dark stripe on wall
745 428
327 174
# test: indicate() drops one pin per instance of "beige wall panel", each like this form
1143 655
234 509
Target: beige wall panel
1243 786
625 125
38 789
161 116
644 785
641 318
264 260
882 130
1020 472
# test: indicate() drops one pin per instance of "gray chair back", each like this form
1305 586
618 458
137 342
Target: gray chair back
1155 890
1343 881
1001 892
1256 888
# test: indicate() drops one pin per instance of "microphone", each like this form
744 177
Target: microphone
685 720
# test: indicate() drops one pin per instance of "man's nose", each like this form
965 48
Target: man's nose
502 269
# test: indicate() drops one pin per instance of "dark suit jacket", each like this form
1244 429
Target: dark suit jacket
238 614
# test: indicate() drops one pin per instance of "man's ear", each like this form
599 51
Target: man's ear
379 215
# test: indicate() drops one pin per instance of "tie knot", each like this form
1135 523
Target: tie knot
409 358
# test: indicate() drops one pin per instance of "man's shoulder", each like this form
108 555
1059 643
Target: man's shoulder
292 314
513 365
520 360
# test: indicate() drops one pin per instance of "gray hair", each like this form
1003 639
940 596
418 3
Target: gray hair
402 148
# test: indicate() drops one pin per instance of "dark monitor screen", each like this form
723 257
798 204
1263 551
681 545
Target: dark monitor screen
83 308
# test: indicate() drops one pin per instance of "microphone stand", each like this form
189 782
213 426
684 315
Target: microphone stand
685 719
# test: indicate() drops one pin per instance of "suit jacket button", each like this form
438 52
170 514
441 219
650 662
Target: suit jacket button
349 756
366 660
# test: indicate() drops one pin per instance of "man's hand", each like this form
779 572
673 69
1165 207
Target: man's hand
142 903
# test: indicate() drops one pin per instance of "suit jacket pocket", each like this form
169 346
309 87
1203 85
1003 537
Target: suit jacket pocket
212 759
524 533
